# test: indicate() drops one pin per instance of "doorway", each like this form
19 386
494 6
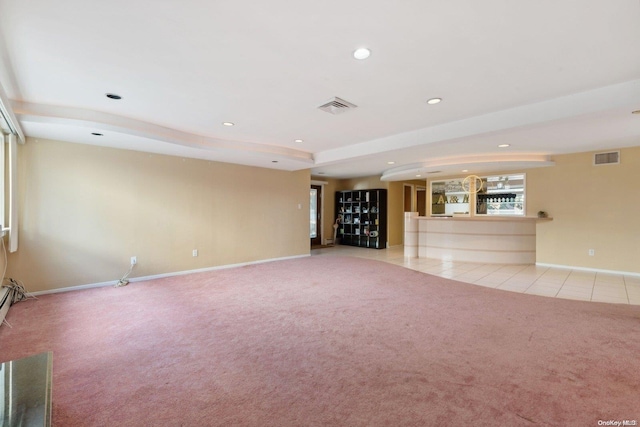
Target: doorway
408 198
315 215
415 199
421 201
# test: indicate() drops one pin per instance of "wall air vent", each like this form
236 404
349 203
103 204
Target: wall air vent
612 157
337 106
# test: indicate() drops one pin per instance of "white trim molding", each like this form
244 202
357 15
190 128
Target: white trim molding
593 270
160 276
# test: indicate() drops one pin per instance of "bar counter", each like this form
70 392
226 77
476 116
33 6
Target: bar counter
482 239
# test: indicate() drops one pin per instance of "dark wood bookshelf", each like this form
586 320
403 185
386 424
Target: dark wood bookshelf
363 218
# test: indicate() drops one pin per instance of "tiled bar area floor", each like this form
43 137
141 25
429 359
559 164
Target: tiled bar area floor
528 279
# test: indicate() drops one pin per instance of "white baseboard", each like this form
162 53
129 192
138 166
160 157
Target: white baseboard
163 275
242 264
593 270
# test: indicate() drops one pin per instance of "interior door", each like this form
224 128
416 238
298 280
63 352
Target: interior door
315 212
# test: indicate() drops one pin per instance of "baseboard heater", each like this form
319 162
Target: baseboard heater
6 297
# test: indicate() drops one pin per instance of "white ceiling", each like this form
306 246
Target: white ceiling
547 77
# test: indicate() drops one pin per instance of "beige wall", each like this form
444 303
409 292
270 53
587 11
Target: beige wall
395 211
85 210
395 201
364 183
395 218
593 207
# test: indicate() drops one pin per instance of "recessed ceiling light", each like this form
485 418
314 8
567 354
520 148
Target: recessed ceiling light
635 112
418 176
465 170
299 140
96 134
504 145
113 96
433 101
361 53
391 163
228 124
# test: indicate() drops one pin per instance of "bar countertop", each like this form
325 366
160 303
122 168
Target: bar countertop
482 218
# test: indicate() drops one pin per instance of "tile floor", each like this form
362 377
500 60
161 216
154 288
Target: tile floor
528 279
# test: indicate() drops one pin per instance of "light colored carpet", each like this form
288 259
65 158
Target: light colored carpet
329 341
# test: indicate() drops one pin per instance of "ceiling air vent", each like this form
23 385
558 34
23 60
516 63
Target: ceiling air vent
612 157
337 106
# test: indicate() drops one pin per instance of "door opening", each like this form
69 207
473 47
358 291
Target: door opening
408 198
315 215
421 201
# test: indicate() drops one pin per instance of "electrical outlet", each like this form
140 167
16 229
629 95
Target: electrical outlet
592 252
134 260
195 252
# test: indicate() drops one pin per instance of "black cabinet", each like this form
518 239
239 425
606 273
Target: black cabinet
362 218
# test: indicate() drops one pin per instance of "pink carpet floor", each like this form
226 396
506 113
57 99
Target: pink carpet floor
329 341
